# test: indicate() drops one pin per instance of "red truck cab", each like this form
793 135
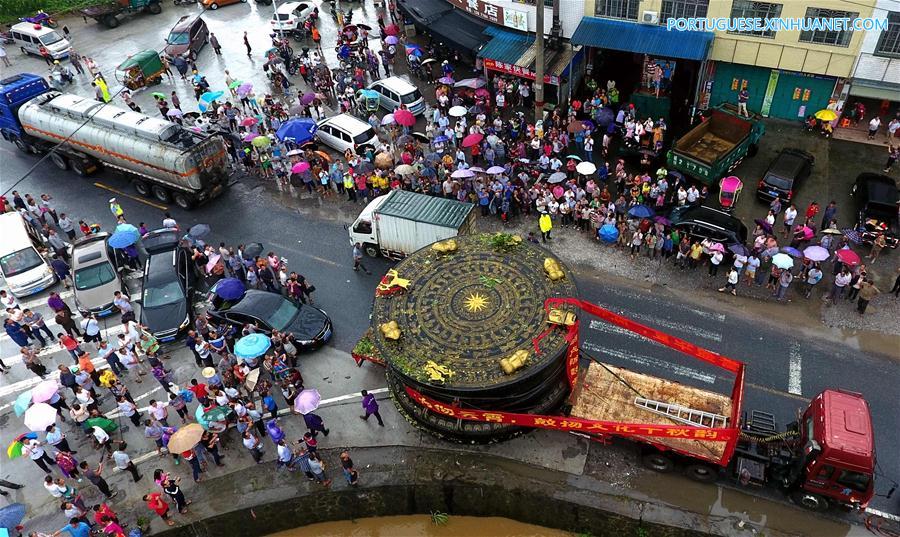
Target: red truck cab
839 449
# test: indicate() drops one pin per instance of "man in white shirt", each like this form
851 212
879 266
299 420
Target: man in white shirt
35 451
91 329
169 222
121 301
789 215
285 455
159 412
693 195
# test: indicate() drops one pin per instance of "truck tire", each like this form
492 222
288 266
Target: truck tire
810 500
161 194
372 250
658 462
185 201
59 161
22 145
142 188
80 167
702 473
155 8
752 150
110 21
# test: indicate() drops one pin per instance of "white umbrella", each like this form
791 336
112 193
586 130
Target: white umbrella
39 417
782 261
457 111
387 119
462 174
585 168
495 170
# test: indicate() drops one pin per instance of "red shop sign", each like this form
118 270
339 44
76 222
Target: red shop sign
515 70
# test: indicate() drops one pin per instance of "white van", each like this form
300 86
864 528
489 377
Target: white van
344 132
29 37
394 91
23 268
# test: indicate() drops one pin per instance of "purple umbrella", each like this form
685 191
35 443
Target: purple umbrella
391 40
662 220
249 137
738 249
307 401
816 253
765 225
307 98
446 80
244 89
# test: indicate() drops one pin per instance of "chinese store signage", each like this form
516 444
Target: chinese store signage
511 18
512 69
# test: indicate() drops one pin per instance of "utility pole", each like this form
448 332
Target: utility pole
539 60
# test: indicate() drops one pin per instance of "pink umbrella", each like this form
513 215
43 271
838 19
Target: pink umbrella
558 191
249 121
213 259
300 167
307 401
481 92
848 257
405 118
472 139
391 29
39 417
716 247
44 391
249 137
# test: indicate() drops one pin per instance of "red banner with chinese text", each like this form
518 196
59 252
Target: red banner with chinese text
515 70
562 423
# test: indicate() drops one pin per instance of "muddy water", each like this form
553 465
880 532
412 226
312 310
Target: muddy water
422 526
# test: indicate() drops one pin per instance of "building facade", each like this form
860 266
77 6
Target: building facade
876 74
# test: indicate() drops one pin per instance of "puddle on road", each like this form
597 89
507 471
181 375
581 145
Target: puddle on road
422 526
868 341
756 513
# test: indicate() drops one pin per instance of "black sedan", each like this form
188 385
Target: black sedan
169 277
308 324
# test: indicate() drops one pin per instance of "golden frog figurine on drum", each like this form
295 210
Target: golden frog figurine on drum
445 247
553 269
515 362
391 330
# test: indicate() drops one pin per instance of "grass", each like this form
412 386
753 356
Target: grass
12 10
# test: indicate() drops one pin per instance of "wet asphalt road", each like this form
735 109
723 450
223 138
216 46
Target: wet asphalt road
318 247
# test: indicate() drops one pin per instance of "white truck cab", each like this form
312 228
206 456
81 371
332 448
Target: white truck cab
363 229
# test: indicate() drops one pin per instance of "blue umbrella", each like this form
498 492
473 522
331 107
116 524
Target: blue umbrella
608 233
230 289
252 346
12 515
368 94
211 96
791 251
123 239
23 401
428 172
604 116
440 139
641 211
299 130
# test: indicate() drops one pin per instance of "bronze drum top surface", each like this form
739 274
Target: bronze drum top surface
465 310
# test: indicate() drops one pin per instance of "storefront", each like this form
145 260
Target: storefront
655 69
512 53
446 25
773 93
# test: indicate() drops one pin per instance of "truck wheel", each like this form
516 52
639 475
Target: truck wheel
59 160
703 473
658 463
372 250
23 146
161 194
155 8
810 500
752 150
110 21
184 201
80 167
142 188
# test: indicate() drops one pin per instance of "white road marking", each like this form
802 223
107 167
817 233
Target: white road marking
671 325
650 362
882 514
794 370
56 347
650 298
22 385
607 328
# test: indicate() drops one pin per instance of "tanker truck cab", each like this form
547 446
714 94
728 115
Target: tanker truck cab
837 463
363 230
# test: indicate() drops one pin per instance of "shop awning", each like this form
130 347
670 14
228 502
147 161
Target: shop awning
447 25
505 46
425 11
874 89
642 38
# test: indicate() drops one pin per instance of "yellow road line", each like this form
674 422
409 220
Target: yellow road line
129 196
775 391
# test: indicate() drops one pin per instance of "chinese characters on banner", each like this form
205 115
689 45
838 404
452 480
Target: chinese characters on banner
563 423
511 18
522 72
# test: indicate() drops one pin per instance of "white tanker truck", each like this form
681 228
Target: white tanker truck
163 159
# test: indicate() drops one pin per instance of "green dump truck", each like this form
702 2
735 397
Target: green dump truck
110 14
717 145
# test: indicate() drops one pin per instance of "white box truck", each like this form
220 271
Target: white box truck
399 223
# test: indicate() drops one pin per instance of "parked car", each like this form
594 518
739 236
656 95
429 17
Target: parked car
344 132
784 175
309 325
169 278
394 91
187 37
95 274
215 4
878 208
703 222
290 16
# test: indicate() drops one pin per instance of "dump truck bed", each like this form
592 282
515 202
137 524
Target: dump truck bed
602 394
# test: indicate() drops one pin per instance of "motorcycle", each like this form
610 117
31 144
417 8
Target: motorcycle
60 78
41 18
